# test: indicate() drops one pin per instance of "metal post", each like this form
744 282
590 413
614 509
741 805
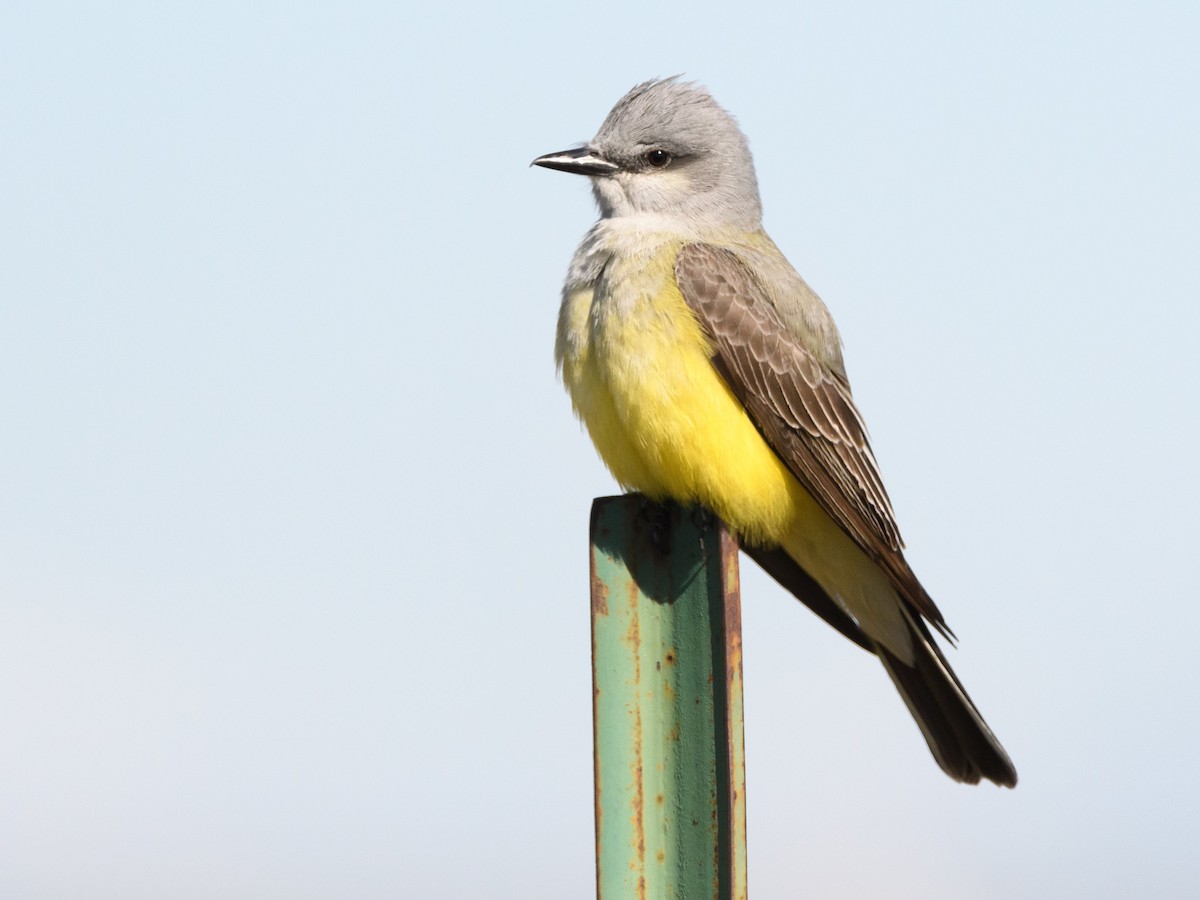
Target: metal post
667 703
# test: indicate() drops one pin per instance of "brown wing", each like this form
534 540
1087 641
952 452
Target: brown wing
804 411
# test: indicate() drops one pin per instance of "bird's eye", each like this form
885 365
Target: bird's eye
660 159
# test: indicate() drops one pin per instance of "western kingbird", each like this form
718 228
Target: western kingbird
707 371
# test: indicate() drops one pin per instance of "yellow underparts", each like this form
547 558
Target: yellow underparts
639 371
640 375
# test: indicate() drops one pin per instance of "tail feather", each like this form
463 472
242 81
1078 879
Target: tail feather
961 741
776 563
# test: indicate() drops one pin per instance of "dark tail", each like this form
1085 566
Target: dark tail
960 740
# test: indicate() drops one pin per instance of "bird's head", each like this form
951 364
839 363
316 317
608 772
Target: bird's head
668 149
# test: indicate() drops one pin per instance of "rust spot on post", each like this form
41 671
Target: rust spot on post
599 596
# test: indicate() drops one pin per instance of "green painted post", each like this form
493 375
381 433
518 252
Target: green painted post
667 703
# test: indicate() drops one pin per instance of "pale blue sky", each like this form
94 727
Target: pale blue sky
293 510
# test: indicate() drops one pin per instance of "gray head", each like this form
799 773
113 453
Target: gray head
667 148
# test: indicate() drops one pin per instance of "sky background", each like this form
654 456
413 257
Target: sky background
293 511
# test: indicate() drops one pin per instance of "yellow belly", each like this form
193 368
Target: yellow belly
640 376
638 368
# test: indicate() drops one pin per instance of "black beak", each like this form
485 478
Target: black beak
581 161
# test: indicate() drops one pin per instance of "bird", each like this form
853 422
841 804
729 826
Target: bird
707 372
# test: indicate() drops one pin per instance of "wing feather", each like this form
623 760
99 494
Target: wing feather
804 411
